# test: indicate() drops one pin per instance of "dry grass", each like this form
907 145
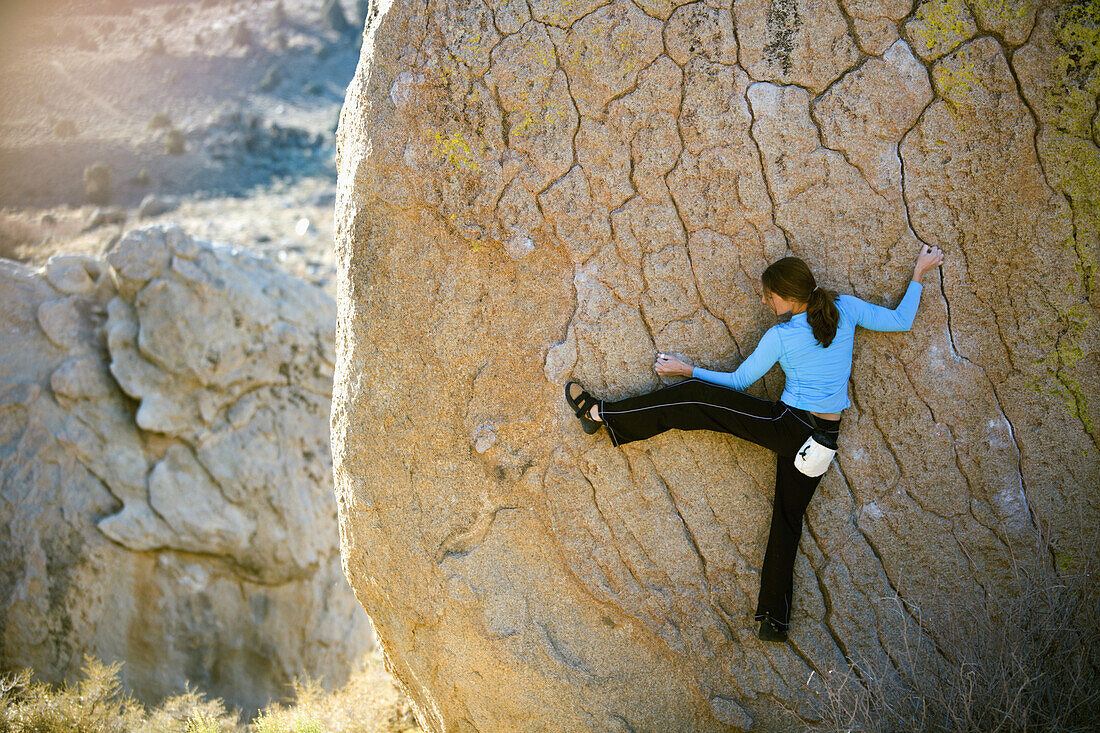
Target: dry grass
97 704
368 703
1027 662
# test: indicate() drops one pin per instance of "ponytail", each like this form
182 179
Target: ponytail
790 278
823 315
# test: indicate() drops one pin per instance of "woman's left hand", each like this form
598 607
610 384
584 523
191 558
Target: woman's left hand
670 366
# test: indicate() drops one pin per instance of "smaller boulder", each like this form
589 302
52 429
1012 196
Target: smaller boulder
104 215
153 205
332 15
242 36
97 183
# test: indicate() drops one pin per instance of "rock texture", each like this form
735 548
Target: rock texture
536 192
165 472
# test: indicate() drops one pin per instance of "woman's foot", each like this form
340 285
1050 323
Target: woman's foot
771 631
585 407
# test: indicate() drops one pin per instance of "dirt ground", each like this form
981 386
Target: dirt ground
221 111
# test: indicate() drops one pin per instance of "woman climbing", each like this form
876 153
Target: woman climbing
814 348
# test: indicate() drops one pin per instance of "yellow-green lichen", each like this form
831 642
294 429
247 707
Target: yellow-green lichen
562 18
1078 175
1078 29
1067 352
939 26
527 121
1072 162
956 81
1076 69
1086 267
1004 10
453 148
544 56
1008 17
470 47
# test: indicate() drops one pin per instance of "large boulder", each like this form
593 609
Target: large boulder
536 192
165 472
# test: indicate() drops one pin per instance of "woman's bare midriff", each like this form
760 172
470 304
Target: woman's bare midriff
826 415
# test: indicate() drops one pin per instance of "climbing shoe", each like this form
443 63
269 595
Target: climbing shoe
771 631
581 402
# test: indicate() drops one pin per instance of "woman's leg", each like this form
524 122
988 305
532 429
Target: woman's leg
793 491
696 405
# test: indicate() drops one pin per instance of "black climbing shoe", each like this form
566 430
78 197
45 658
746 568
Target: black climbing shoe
582 403
771 631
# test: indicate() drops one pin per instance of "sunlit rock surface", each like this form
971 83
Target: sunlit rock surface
165 469
524 200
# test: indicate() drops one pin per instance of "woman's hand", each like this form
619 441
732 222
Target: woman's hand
927 258
670 366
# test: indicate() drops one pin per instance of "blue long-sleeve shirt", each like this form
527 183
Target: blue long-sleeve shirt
817 377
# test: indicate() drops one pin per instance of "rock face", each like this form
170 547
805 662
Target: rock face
166 474
536 192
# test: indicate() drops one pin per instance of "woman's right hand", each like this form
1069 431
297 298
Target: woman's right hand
928 258
670 366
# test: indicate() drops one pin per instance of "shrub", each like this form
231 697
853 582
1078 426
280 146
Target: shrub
65 128
278 13
97 183
160 121
271 79
1028 661
174 142
84 42
332 16
278 724
96 703
368 703
190 712
242 36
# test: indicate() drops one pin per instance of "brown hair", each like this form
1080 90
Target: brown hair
790 278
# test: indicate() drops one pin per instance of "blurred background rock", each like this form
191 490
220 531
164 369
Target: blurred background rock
167 177
227 109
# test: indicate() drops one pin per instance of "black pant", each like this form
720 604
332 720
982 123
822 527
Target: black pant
697 405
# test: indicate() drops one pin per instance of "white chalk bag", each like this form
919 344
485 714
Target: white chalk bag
815 455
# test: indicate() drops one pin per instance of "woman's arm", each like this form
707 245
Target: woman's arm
877 318
757 365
